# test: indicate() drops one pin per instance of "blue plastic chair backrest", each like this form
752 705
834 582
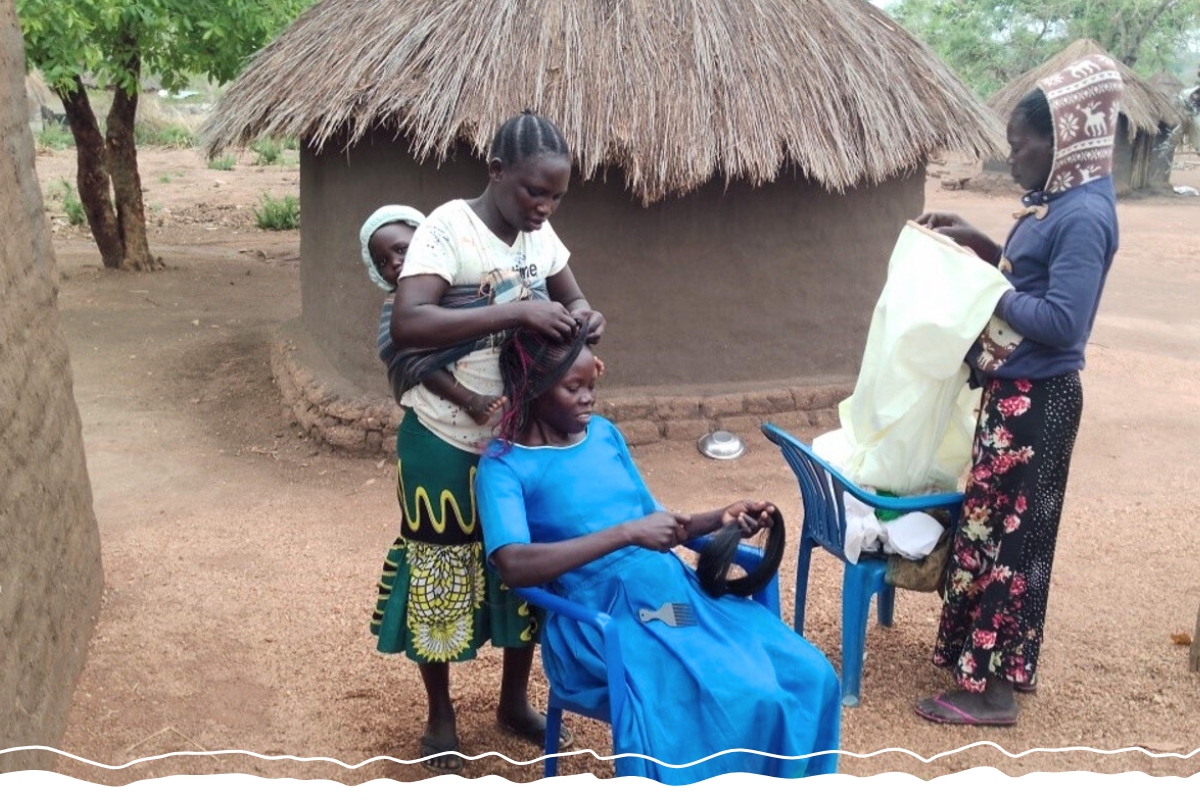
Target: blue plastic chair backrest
821 490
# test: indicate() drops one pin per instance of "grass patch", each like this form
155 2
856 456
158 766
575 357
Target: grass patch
224 163
278 214
267 150
72 206
53 136
171 135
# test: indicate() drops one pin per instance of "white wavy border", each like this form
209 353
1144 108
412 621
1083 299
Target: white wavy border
890 785
595 755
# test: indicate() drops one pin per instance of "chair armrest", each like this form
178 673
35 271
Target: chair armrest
614 666
560 605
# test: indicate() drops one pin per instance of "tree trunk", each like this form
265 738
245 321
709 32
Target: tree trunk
92 175
123 171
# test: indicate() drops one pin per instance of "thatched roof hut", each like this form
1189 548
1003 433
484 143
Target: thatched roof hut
1146 119
1167 83
746 164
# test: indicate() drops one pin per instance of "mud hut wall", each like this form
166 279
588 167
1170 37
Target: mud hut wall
722 286
50 575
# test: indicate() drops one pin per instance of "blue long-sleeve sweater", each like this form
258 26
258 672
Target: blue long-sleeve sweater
1059 266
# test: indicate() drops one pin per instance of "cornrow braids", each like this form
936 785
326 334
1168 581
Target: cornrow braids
1034 108
530 364
527 135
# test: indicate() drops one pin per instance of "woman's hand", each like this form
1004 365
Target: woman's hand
658 531
960 231
750 515
595 322
549 318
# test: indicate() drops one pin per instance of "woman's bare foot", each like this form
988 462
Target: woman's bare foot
441 736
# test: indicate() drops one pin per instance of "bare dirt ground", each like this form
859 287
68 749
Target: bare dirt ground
240 560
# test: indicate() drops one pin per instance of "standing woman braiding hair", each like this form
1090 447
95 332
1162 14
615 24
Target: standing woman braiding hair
437 603
1028 360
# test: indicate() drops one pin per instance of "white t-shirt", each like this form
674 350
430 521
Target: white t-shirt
455 244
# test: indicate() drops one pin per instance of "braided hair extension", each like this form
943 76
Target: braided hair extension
527 135
718 556
530 364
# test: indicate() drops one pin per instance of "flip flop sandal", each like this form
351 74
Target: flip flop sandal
1026 688
565 737
960 717
432 747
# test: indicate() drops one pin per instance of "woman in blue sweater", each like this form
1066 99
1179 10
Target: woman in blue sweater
1057 256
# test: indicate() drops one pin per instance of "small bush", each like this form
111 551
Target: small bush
268 151
278 214
53 136
171 135
71 205
223 163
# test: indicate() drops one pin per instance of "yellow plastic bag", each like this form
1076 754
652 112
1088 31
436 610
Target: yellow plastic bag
911 418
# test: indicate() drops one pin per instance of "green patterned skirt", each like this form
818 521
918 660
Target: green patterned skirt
438 601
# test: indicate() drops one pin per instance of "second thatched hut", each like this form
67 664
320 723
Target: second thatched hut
1143 153
743 168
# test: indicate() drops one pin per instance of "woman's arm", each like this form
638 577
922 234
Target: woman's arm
419 321
963 233
1078 257
563 288
532 564
752 514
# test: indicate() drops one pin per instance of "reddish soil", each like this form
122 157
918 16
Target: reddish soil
240 559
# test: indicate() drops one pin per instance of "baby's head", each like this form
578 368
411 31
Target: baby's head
548 380
385 237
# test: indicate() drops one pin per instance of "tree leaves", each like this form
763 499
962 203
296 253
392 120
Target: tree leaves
989 44
65 38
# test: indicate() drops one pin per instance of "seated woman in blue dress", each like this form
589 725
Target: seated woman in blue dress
562 504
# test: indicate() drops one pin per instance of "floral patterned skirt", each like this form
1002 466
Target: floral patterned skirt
437 600
999 573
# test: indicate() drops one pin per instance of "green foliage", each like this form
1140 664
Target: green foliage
281 214
118 40
53 136
171 135
989 44
71 204
267 150
223 163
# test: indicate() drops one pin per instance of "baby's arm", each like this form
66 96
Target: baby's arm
480 407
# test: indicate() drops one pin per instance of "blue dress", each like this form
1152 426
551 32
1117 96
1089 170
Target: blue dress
739 678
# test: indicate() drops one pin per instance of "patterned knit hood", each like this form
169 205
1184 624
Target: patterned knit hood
1085 99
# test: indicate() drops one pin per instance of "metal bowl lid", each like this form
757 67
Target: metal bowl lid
721 445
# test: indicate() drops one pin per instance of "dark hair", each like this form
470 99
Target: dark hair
527 135
721 552
1035 110
530 364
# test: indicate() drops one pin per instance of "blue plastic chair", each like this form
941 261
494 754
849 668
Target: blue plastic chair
822 491
611 712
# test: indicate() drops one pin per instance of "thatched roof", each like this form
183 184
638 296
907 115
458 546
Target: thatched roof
1142 104
670 91
1168 84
